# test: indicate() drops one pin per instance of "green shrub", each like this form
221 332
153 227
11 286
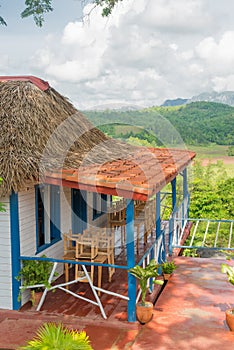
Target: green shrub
51 336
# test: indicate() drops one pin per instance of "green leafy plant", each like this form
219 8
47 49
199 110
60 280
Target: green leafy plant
168 267
34 272
229 270
143 274
38 8
51 336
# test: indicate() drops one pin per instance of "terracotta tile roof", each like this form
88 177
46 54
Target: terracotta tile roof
138 177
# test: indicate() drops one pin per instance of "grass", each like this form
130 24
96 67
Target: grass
125 129
209 152
213 153
229 169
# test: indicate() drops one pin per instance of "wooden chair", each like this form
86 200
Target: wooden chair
150 218
106 243
69 253
82 247
86 250
117 218
139 207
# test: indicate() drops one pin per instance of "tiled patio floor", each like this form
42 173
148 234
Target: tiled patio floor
189 314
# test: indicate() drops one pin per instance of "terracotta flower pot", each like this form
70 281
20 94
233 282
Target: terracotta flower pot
35 299
144 312
230 319
166 276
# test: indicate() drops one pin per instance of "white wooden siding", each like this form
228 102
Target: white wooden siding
27 222
27 218
5 257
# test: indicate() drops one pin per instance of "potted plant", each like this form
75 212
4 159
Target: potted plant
229 270
56 337
167 269
33 273
144 309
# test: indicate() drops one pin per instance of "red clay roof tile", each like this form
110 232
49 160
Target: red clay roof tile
138 177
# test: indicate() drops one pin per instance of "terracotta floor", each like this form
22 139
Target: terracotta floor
189 314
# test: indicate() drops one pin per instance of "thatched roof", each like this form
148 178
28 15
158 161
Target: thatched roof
42 130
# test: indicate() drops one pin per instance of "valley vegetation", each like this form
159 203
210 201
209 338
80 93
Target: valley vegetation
197 123
206 128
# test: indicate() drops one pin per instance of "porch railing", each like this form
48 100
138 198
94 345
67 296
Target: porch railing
177 224
62 286
157 251
189 233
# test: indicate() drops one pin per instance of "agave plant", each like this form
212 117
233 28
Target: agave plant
51 336
168 267
229 270
143 274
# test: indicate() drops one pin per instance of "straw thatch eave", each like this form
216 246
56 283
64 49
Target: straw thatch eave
42 130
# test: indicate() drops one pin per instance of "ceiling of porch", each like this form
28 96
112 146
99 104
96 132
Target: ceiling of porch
137 177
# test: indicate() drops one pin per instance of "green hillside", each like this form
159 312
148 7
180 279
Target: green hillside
196 123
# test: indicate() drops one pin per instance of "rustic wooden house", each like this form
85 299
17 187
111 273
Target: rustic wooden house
59 173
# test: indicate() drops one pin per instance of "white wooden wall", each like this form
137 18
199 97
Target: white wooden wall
5 257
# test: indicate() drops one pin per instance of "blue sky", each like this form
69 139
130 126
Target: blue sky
146 52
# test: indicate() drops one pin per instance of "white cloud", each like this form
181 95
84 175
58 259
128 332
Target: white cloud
218 56
147 51
176 16
224 83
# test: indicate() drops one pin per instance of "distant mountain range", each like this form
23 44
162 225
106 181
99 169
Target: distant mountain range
226 97
120 107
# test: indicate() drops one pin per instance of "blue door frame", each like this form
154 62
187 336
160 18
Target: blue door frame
79 210
15 248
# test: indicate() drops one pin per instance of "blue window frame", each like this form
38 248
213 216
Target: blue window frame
99 205
47 215
79 210
104 202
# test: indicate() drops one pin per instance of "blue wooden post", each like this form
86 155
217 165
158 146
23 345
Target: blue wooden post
158 227
173 186
185 182
15 248
185 189
151 279
158 215
131 260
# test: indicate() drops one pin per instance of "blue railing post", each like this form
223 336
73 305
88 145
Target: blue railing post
185 183
185 195
188 206
164 253
171 223
158 222
151 279
131 260
173 187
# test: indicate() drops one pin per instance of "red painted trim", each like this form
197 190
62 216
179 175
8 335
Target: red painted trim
41 84
99 189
